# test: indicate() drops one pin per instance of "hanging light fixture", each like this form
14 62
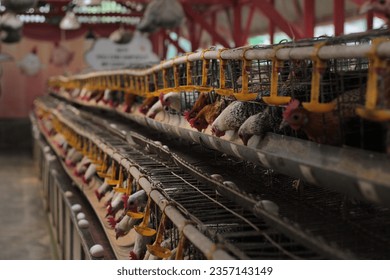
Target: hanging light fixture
10 28
81 3
69 21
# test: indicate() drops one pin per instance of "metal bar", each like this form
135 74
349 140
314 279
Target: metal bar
309 18
339 16
205 25
273 15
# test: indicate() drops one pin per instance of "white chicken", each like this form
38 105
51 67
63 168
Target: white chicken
102 190
116 204
73 157
154 110
136 201
124 226
81 166
91 170
233 117
139 248
171 100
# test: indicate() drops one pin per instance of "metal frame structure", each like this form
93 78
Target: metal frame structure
204 16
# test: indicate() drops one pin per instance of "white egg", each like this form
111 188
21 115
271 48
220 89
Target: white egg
76 208
97 251
269 206
80 216
83 223
68 194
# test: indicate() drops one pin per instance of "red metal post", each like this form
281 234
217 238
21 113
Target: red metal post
273 15
271 27
309 18
237 32
339 16
195 16
248 24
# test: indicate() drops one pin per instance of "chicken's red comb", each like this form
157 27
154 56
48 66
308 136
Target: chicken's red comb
125 197
98 195
187 115
111 221
293 105
162 98
133 256
192 122
143 110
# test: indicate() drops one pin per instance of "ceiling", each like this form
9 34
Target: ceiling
227 22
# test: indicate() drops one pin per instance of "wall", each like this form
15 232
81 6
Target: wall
18 91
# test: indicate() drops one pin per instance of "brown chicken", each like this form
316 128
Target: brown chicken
207 115
200 103
147 104
128 102
323 128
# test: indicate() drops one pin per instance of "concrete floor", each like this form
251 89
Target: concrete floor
24 226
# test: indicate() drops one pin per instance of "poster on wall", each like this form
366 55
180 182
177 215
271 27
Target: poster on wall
107 55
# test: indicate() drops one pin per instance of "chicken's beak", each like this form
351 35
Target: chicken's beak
283 125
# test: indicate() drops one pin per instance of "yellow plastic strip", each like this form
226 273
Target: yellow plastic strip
370 111
318 65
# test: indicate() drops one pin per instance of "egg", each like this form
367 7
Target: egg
76 208
68 194
80 216
83 223
269 206
97 251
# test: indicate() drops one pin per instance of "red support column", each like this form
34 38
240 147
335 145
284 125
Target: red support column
196 17
237 32
271 27
213 23
370 20
292 30
339 16
246 32
309 18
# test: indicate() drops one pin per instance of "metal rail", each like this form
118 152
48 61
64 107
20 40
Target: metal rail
238 220
316 199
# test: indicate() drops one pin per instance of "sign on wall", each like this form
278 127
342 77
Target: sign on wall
107 55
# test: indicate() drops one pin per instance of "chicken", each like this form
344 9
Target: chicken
73 157
116 204
102 190
234 116
139 249
147 104
323 128
379 6
81 166
207 115
60 141
107 98
91 170
136 201
260 124
124 226
201 102
171 100
128 102
154 110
